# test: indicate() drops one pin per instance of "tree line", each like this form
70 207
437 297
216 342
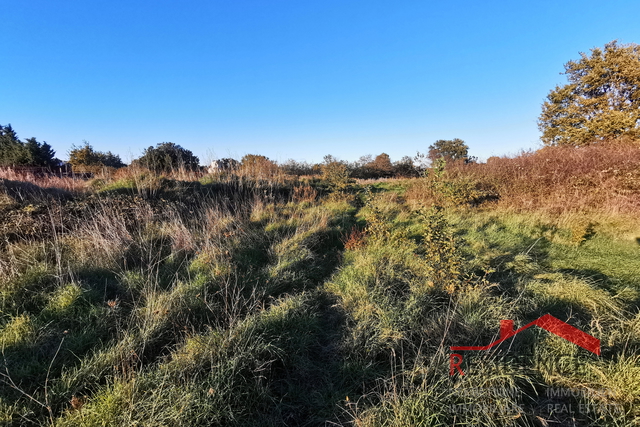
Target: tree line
167 156
29 152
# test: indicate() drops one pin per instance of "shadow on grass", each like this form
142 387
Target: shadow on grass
595 277
27 192
308 385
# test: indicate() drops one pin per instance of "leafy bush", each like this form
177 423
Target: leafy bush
166 157
85 156
443 188
335 174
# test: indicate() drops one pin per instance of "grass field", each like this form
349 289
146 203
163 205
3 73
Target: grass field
156 301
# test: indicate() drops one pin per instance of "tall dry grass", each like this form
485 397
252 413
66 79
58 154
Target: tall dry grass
45 181
558 180
134 172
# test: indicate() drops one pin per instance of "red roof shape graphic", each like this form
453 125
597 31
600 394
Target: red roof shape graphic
549 323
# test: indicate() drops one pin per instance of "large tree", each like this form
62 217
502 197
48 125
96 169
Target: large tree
601 100
449 149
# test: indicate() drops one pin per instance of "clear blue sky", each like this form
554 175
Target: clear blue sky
293 79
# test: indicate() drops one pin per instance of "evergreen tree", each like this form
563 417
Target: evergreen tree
110 160
41 154
14 152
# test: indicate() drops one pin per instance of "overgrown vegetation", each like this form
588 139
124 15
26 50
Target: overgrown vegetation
147 299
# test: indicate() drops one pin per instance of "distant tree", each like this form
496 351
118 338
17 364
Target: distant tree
449 149
362 168
41 153
258 166
367 167
421 162
83 156
293 167
254 160
166 157
601 101
364 160
14 152
382 166
110 160
86 156
405 168
330 159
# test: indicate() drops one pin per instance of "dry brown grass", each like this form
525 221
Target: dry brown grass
559 180
47 181
356 239
135 172
304 193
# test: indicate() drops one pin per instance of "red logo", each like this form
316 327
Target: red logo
547 322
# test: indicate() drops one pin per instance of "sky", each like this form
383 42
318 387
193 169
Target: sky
293 79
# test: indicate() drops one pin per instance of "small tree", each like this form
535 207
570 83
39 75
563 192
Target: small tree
449 150
361 168
166 157
601 101
335 173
